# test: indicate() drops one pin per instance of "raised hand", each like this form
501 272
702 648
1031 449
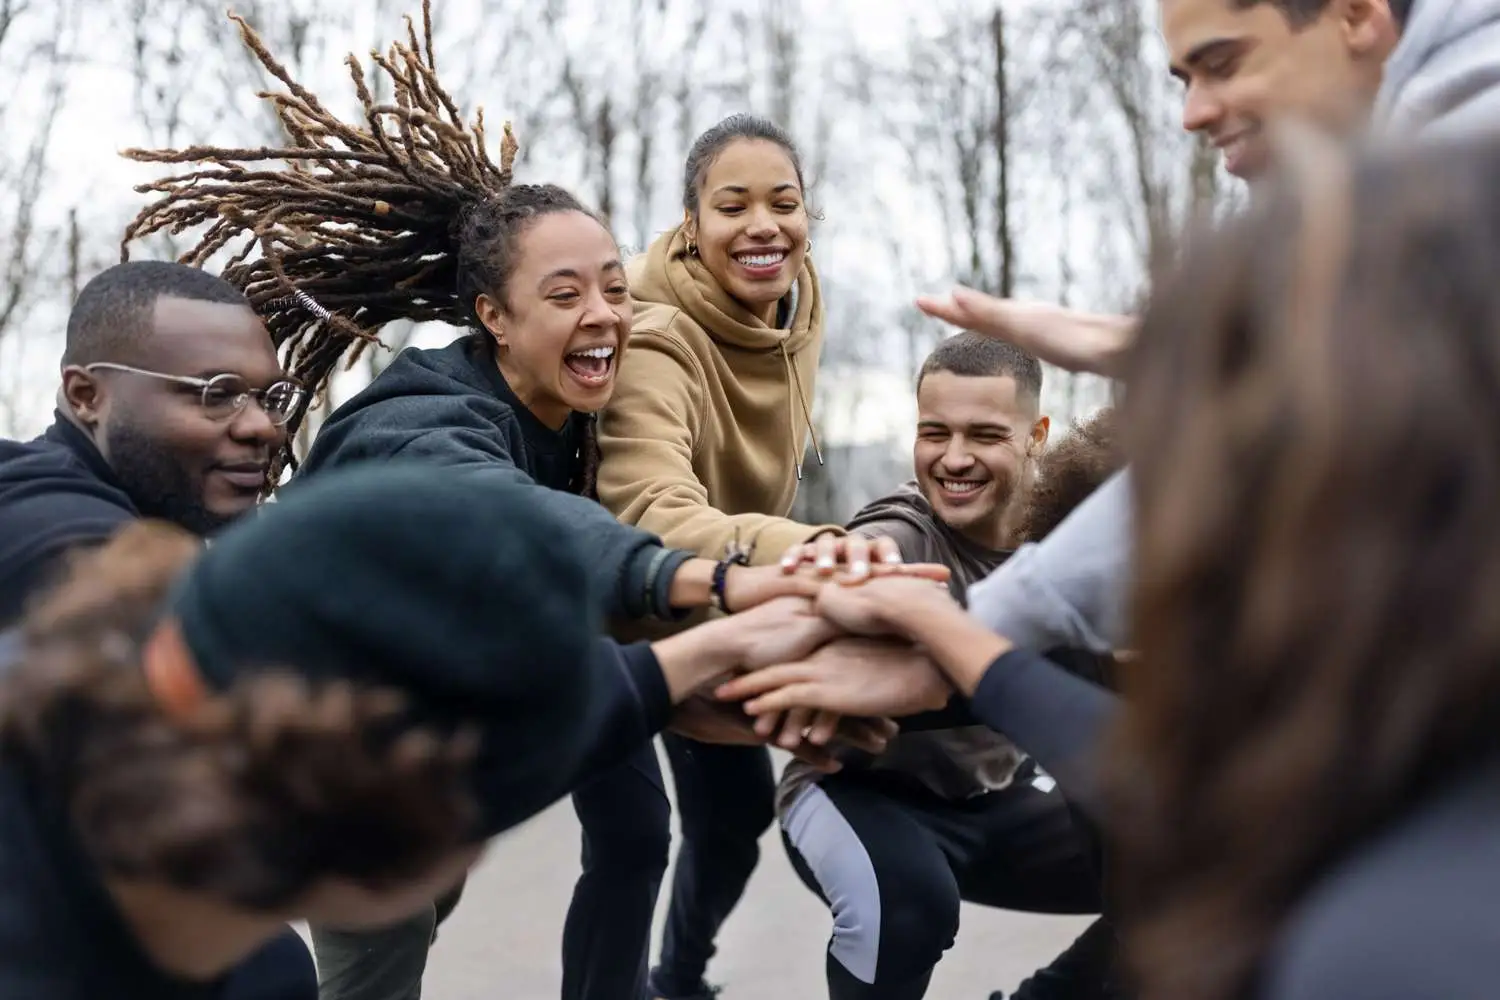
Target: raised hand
852 677
1076 341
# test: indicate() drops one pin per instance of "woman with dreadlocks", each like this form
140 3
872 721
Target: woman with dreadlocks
407 217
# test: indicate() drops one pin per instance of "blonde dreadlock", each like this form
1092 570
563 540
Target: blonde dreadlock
368 224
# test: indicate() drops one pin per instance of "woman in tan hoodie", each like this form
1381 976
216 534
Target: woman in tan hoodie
703 445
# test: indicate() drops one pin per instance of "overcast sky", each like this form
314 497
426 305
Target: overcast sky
98 120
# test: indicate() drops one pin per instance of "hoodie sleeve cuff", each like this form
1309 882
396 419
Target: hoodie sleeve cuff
650 684
660 596
647 583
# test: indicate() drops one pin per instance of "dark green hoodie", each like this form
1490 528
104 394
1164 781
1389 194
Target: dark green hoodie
451 407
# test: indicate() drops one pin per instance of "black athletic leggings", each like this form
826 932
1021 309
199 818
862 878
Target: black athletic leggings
892 861
725 801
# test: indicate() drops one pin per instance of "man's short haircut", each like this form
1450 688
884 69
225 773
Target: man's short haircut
974 355
114 309
1299 12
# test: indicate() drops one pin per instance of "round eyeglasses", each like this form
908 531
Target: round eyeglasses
225 395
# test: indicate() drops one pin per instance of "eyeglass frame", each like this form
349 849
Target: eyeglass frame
204 384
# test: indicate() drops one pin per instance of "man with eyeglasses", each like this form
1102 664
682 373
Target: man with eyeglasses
172 406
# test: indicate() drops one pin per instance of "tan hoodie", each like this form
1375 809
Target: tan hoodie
703 438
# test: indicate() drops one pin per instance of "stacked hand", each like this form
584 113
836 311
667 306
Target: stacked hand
804 569
815 673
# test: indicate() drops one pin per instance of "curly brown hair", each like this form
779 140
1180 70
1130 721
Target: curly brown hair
1068 472
1314 418
264 791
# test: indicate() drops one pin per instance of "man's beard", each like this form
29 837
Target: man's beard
158 484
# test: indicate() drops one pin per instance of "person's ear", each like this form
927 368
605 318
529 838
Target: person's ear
82 395
492 315
1037 442
1369 27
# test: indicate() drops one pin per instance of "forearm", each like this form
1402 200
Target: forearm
962 647
1056 717
640 684
709 532
691 659
634 704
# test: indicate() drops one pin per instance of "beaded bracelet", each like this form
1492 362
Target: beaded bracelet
734 555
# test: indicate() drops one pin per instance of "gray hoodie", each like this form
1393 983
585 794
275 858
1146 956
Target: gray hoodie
1444 77
1443 81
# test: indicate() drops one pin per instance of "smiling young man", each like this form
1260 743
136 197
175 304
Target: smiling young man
172 405
1243 64
979 431
894 843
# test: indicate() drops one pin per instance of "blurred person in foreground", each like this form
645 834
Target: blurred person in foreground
1429 69
196 749
1300 784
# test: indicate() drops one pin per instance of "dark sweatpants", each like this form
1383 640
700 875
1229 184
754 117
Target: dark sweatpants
893 861
627 835
725 801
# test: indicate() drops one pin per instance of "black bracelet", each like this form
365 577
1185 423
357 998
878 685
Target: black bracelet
734 555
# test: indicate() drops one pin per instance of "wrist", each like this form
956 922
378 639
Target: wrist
691 659
692 584
960 645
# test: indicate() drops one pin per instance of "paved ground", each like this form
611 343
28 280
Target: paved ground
503 941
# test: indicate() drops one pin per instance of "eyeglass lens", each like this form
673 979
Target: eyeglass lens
227 394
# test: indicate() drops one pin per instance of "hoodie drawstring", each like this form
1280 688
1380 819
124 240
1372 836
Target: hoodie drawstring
791 413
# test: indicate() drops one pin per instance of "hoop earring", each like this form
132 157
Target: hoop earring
809 245
692 248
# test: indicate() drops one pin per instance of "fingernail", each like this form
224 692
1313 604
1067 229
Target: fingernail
860 568
825 562
892 558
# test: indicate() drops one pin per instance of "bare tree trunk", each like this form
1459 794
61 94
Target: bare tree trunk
24 243
1004 239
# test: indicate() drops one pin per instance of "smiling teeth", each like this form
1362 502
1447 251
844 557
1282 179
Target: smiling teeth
762 260
595 352
956 486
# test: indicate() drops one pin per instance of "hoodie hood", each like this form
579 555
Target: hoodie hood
449 405
1444 75
666 274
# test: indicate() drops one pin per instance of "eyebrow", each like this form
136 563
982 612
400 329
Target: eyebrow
741 189
208 373
1201 52
568 272
942 425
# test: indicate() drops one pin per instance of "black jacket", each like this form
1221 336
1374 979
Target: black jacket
452 407
56 493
